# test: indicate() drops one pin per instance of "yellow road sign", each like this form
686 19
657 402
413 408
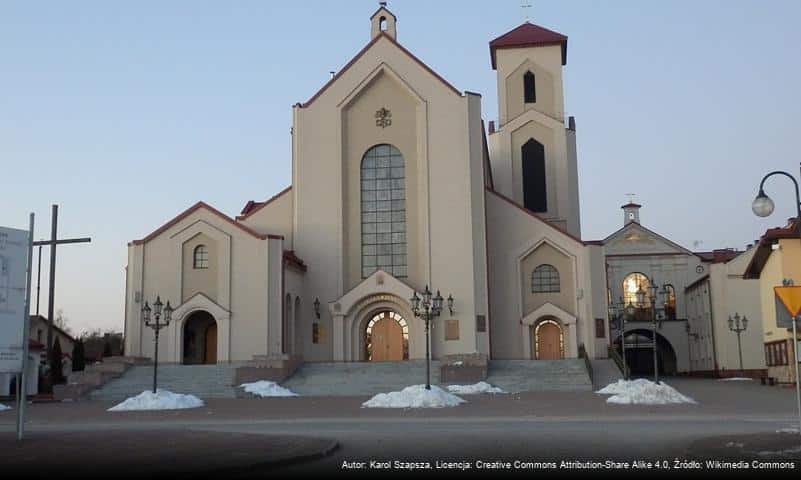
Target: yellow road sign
790 297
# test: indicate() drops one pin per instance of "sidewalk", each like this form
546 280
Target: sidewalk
133 453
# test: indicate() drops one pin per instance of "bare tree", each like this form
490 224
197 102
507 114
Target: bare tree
61 321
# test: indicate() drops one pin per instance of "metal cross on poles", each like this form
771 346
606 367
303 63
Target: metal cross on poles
52 243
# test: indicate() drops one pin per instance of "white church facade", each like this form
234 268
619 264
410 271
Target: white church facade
396 186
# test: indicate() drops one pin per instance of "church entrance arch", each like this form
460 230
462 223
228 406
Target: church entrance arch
549 341
386 337
200 339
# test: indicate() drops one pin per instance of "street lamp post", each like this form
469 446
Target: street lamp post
157 325
653 290
763 206
738 326
427 308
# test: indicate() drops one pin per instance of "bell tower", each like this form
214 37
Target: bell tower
533 145
383 21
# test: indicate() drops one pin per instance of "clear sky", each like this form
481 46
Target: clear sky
126 113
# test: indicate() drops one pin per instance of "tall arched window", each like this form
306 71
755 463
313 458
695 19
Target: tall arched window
200 257
545 279
383 211
535 197
529 88
670 302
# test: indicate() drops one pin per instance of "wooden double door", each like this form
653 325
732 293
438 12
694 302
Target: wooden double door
548 338
386 340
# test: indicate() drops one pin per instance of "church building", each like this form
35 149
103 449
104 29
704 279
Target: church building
397 186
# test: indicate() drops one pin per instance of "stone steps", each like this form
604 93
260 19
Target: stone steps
568 375
359 378
204 381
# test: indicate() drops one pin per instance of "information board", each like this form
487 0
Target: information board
13 275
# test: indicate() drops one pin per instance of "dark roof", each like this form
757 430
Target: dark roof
765 246
252 207
720 255
631 205
291 259
55 327
528 35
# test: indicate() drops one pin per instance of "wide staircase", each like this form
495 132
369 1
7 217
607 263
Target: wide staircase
204 381
359 378
568 375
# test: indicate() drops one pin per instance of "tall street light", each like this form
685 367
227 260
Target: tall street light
641 302
427 308
738 326
763 206
157 325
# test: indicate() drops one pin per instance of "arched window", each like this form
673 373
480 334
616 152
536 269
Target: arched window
529 88
201 257
670 302
545 279
382 24
535 197
383 190
631 284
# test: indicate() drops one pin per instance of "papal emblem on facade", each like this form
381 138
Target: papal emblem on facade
383 118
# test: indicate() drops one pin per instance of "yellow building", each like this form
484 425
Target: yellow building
777 258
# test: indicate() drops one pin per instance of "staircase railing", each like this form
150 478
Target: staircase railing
615 355
583 354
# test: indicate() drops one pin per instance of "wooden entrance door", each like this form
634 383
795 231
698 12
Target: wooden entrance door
549 345
210 354
387 341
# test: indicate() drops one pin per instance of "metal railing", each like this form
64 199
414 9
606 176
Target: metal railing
583 354
615 355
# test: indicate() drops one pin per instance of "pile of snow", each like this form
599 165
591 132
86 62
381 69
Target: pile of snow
642 392
480 387
736 379
265 388
787 430
415 396
4 407
161 400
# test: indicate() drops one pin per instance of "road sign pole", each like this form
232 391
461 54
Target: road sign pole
23 379
797 385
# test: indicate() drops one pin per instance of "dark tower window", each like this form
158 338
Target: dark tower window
529 88
534 193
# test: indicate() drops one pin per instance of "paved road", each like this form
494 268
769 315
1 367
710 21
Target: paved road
526 427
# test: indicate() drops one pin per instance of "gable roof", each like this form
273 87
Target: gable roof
194 208
361 53
535 216
635 225
528 35
252 207
765 246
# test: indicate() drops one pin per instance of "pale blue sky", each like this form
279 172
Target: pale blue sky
126 113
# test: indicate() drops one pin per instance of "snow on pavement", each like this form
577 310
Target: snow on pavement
265 388
4 407
162 400
415 396
735 379
480 387
642 392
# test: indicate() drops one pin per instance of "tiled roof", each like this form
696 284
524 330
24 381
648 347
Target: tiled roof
528 35
765 246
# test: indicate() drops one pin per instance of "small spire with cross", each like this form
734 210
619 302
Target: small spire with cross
631 197
526 6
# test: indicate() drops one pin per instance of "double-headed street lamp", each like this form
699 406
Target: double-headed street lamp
157 325
762 207
427 308
738 326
